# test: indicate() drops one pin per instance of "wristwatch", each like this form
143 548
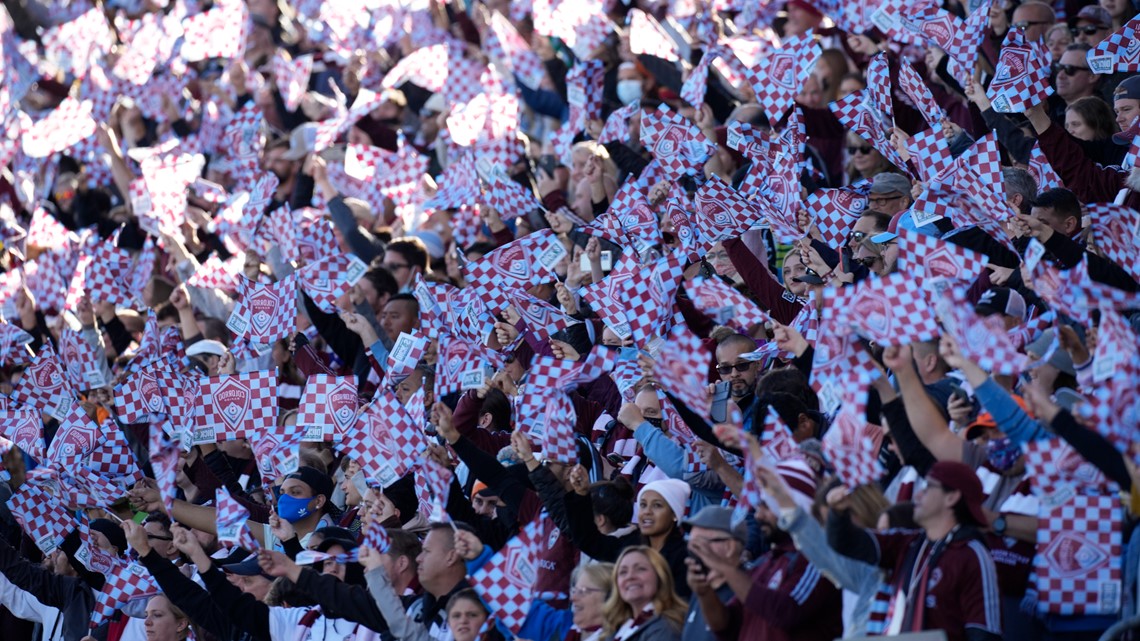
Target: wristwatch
999 525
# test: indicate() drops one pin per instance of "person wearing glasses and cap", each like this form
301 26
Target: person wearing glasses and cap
1093 25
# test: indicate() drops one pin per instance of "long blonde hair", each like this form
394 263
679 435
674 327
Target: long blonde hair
666 603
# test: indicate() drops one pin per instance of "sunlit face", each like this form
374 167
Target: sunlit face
586 599
637 582
654 516
1081 82
465 618
864 158
399 316
330 566
794 268
161 623
729 363
1126 111
1057 39
1077 127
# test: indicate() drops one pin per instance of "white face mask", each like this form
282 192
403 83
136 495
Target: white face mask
628 91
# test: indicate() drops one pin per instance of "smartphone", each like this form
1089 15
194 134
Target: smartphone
959 393
704 569
547 163
607 262
719 410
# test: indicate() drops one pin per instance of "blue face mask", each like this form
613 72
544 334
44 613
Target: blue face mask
293 509
1002 454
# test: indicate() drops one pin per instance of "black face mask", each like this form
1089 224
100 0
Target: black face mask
655 422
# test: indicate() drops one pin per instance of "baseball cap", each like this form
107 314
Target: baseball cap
1001 300
320 483
955 476
716 517
206 346
890 183
1095 14
1125 137
246 567
334 535
903 220
302 141
1128 88
1059 358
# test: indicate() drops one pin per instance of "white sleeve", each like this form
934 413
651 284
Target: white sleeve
283 622
22 604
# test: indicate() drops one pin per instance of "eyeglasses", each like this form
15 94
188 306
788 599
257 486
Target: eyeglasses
934 485
1025 24
155 537
1070 70
584 591
397 266
879 201
724 370
856 237
855 151
1087 29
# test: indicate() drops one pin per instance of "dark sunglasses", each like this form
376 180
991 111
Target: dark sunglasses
1087 29
1025 24
1070 70
859 150
856 237
724 370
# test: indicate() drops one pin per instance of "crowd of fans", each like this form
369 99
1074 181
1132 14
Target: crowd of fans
569 319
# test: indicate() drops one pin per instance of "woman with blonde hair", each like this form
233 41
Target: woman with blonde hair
643 605
164 621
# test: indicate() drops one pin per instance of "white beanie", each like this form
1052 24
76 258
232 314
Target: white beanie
674 491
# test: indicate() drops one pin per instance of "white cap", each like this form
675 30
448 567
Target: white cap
210 347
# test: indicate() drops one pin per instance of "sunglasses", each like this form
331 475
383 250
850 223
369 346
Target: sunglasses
1025 24
856 237
1070 70
859 150
724 370
1087 29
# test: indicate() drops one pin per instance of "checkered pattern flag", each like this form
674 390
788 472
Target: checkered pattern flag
376 537
504 42
860 116
1116 230
1118 53
460 365
165 461
41 517
1043 172
425 67
721 212
629 218
1074 293
433 484
328 407
330 278
879 88
63 127
931 260
292 78
855 458
693 91
1115 402
540 317
931 154
113 457
231 521
682 367
835 211
25 429
966 42
510 199
1021 78
751 495
44 385
781 73
678 146
507 581
217 33
725 305
14 345
1053 464
46 232
235 406
554 431
776 439
267 312
583 93
124 582
514 265
932 24
644 295
403 357
549 375
1077 567
916 89
368 442
647 36
617 125
892 310
983 340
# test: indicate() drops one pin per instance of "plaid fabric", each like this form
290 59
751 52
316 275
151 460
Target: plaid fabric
1118 53
835 211
647 36
504 42
1021 78
25 429
330 278
681 366
235 406
641 296
63 127
217 33
44 385
721 212
328 407
1079 551
891 310
983 340
781 74
41 517
231 521
267 312
861 117
507 581
725 305
1116 229
679 147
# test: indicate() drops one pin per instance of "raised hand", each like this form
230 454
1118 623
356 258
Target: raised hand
136 537
276 563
